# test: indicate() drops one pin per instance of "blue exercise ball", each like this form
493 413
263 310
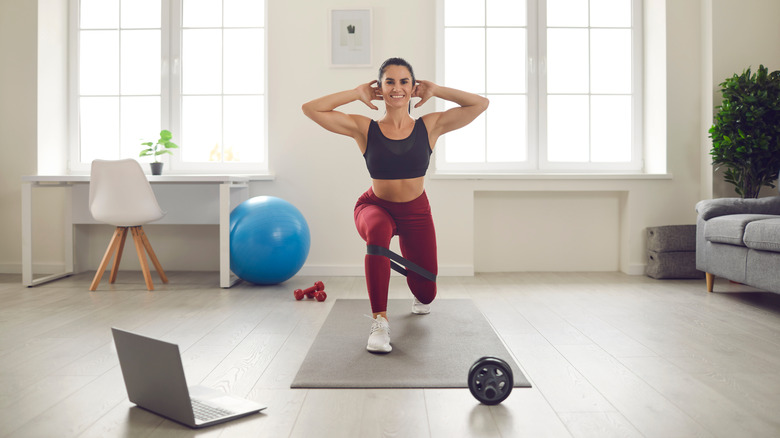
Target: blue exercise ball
269 240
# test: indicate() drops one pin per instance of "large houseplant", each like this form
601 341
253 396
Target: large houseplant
746 133
163 146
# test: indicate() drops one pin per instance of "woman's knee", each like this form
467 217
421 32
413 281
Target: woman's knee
379 233
376 227
422 289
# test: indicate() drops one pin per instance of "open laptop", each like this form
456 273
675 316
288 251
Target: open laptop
155 381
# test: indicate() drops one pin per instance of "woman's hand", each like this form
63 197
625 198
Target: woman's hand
424 90
368 92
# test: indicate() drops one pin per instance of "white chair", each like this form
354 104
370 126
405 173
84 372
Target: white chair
120 195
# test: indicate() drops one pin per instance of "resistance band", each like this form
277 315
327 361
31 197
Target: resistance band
382 251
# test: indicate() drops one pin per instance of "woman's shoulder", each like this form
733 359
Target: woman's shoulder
362 121
430 119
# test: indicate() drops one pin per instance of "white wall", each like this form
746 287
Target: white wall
18 72
551 231
323 173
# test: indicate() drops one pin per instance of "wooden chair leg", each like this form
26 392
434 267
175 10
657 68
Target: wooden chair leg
710 281
152 255
118 256
112 247
139 248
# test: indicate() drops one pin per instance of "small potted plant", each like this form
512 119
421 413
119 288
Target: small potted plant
163 146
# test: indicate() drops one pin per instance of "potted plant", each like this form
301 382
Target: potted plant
746 133
163 146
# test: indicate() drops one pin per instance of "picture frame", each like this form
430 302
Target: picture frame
350 37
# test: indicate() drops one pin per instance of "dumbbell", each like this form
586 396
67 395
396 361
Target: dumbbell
317 291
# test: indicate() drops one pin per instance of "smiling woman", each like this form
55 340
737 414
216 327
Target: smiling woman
396 63
397 150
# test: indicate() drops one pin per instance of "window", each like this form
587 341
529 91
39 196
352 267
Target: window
195 67
563 79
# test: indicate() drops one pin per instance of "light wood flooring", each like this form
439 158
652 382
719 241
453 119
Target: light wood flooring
609 355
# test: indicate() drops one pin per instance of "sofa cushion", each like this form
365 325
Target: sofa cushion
763 234
731 228
710 208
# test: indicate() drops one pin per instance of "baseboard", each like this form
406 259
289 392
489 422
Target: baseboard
456 271
38 268
635 269
307 270
331 271
359 271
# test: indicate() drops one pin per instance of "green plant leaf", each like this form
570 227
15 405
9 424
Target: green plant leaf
159 148
746 130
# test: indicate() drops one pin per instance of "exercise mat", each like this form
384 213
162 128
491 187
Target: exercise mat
429 351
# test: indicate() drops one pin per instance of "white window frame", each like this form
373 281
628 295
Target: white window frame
170 112
537 105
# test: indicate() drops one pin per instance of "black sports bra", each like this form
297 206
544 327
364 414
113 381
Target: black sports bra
397 159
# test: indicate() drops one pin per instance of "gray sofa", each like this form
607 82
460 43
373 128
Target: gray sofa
739 239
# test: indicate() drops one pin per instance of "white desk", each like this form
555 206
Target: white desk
187 199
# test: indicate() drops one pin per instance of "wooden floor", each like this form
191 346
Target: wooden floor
609 355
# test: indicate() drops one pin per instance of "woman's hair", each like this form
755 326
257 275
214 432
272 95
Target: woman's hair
396 61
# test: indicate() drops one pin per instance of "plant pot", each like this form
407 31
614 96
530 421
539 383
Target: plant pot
156 168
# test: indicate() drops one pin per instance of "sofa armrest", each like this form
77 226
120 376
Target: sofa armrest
710 208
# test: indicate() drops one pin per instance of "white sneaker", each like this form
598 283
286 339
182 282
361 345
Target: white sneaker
419 308
379 339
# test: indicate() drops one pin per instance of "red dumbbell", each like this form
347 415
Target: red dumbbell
317 291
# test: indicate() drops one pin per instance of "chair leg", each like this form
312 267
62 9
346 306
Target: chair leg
139 248
152 255
112 247
118 256
710 281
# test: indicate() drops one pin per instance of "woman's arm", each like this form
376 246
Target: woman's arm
323 112
470 107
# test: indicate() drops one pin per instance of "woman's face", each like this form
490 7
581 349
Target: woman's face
397 86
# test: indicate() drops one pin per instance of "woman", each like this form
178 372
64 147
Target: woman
397 151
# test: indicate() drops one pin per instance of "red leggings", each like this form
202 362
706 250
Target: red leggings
378 221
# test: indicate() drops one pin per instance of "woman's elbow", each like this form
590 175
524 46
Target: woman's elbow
484 104
306 108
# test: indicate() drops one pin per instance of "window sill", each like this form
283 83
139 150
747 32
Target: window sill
549 176
166 176
261 177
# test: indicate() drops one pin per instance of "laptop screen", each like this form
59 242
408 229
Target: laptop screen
154 376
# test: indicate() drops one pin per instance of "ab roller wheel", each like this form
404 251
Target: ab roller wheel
490 380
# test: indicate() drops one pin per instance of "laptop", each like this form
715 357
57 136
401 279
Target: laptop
155 381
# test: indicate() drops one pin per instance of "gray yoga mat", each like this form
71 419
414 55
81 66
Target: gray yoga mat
429 351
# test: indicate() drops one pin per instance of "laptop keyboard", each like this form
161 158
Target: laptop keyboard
204 412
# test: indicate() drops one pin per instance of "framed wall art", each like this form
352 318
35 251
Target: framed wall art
350 37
